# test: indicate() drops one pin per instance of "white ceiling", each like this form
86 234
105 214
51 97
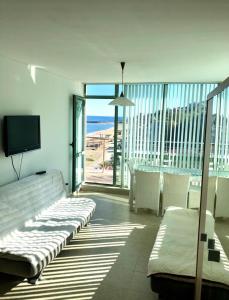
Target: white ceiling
161 40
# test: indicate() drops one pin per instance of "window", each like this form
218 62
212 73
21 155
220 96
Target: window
164 128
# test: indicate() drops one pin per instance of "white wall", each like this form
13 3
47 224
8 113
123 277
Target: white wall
47 95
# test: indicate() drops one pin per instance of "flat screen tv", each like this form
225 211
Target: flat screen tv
21 134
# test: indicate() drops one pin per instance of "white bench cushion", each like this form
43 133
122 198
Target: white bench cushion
39 241
35 221
24 199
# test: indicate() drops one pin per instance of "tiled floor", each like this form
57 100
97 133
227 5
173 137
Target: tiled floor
106 261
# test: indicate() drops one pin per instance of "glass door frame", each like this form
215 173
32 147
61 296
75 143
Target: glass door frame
75 152
116 112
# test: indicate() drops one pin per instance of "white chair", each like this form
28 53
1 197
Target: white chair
147 190
131 164
194 196
222 198
175 190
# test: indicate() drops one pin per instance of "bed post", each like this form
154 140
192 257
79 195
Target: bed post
204 187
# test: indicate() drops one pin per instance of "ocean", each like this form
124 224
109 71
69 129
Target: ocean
97 123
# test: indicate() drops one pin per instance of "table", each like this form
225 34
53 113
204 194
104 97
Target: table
196 177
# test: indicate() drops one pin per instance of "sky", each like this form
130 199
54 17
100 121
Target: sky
178 95
100 107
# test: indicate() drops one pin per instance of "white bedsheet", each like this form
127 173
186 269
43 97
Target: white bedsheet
174 251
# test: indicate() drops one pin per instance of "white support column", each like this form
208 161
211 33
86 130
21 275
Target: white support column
203 202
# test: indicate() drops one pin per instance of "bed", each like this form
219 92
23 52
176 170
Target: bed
172 262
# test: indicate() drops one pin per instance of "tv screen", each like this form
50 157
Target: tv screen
21 134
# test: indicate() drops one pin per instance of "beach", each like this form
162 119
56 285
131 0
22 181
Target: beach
99 155
109 131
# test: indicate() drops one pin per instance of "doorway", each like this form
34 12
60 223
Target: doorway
100 133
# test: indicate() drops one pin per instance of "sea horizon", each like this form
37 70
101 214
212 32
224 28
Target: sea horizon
99 123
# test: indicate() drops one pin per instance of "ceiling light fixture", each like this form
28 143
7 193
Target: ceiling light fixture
122 100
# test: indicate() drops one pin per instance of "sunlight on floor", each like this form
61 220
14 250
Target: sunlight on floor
76 276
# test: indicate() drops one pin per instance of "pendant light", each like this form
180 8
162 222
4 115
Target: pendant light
122 100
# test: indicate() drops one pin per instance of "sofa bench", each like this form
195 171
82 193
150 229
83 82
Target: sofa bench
36 220
172 262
